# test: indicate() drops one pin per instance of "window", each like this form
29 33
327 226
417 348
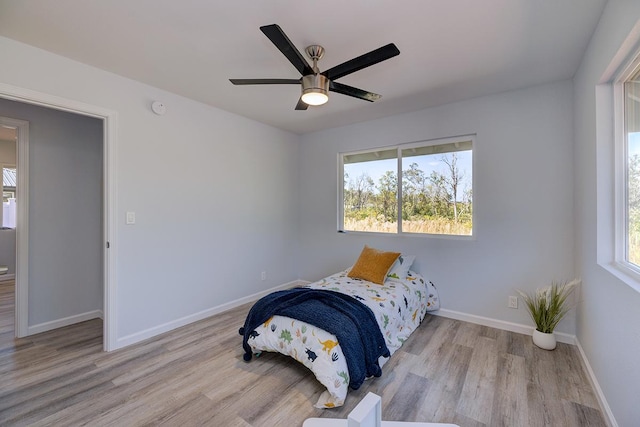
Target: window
631 141
423 188
617 126
8 197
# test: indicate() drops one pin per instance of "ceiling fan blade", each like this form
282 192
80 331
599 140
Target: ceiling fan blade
363 61
265 81
282 42
353 91
301 105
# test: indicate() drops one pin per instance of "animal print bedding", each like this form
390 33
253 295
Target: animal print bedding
399 307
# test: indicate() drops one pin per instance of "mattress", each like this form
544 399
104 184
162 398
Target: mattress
399 306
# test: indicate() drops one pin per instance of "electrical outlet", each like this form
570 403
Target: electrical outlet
513 302
263 275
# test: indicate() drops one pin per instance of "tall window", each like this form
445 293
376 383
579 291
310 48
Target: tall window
632 162
421 188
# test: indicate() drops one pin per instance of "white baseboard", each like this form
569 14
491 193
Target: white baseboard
174 324
60 323
500 324
479 320
528 330
604 406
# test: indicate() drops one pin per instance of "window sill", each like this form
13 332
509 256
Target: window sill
624 274
404 234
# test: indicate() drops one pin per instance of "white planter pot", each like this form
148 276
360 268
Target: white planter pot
543 340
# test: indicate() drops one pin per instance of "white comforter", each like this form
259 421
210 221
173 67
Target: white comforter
399 306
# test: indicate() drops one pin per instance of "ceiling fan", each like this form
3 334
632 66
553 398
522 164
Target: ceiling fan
314 84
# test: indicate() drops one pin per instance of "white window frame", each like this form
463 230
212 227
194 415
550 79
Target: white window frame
399 148
621 173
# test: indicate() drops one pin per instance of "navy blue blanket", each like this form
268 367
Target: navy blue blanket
352 322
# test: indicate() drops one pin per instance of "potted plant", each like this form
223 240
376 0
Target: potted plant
547 307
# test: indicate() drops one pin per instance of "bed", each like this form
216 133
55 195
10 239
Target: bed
398 303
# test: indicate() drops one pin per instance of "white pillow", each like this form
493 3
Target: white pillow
400 268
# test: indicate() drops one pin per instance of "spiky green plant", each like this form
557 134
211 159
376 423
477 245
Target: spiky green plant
549 304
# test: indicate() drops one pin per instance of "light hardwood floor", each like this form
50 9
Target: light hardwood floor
448 371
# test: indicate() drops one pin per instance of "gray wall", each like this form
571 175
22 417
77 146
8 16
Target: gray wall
8 250
522 199
65 211
215 195
8 152
609 312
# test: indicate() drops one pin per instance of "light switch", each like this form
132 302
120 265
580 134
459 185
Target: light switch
131 217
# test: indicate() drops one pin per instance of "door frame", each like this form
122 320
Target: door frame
109 119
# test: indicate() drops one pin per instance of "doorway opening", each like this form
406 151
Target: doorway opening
8 160
108 121
8 145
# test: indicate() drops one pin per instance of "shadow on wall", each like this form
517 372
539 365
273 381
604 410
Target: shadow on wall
8 250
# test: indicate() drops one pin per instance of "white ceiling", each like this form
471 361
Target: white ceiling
450 49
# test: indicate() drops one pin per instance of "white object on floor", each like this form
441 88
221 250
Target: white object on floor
368 413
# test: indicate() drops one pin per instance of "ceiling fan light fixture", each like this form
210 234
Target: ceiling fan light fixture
314 98
315 89
314 85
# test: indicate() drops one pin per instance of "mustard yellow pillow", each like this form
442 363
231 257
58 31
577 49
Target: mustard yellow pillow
373 265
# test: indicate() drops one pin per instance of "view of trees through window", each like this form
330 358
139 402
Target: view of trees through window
435 184
632 125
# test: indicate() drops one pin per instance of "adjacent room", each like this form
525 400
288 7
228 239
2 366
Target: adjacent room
169 164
